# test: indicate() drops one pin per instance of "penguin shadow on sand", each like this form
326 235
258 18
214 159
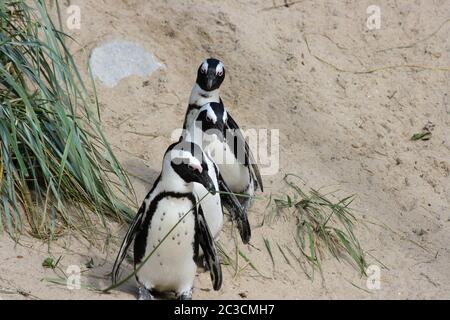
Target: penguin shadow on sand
98 275
141 175
142 178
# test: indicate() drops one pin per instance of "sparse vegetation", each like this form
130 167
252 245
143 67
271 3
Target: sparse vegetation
322 225
425 134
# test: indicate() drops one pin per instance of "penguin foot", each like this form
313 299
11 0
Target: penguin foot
205 264
145 294
201 263
186 295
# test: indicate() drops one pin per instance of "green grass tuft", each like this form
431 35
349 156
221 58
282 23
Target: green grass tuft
322 226
56 166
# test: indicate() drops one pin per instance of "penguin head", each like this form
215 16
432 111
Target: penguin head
210 74
188 161
212 117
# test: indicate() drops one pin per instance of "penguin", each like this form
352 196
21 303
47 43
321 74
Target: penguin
208 126
233 156
210 75
172 204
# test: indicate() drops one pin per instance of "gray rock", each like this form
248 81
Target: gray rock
116 60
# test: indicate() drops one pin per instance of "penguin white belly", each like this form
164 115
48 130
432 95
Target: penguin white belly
171 267
199 97
198 100
235 174
211 204
212 209
191 116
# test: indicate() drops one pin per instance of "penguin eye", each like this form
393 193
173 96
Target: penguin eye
219 73
193 168
209 119
203 70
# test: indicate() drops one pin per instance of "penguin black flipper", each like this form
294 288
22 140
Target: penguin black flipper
249 158
127 241
209 250
129 236
238 214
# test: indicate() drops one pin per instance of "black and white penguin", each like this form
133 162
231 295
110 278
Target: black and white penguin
208 127
233 156
172 267
210 75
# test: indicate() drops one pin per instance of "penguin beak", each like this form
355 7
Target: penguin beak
207 182
210 79
209 83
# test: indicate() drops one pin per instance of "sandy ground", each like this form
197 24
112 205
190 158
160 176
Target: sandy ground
340 128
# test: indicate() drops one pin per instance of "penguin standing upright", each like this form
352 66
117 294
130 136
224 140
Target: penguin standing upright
233 156
206 128
170 224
